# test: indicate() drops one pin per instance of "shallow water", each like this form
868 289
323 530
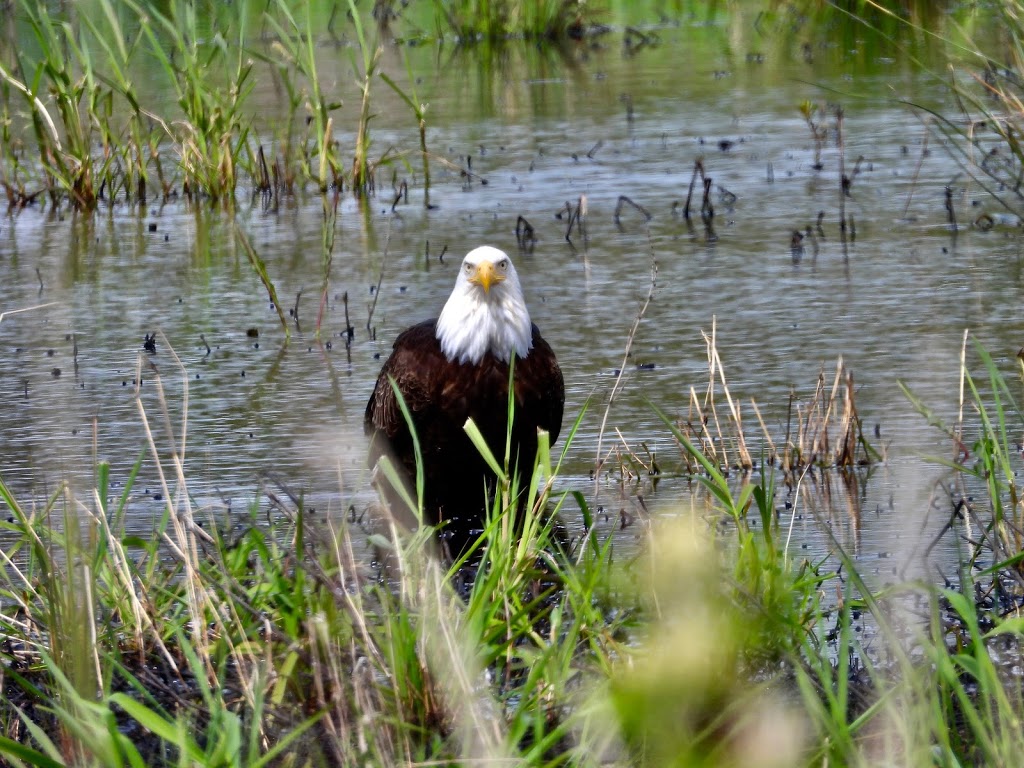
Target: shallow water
893 304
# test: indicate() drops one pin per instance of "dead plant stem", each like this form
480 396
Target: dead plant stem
183 544
842 176
617 385
715 362
917 170
380 278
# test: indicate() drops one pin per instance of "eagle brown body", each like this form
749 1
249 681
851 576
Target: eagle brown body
441 394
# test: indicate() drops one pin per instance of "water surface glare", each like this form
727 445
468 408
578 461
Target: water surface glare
541 130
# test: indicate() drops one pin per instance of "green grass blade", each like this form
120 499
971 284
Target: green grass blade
477 438
31 756
416 448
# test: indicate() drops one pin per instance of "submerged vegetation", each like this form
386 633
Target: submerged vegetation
237 640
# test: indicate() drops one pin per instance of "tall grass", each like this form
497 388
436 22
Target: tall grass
295 49
362 175
471 20
65 143
212 139
234 647
99 137
419 110
208 645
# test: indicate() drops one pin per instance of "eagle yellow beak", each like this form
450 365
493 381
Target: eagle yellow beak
486 276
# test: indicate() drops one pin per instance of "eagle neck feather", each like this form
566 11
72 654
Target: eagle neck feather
470 326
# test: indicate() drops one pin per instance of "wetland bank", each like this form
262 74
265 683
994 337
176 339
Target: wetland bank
714 205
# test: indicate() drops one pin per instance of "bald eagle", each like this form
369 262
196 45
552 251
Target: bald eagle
457 367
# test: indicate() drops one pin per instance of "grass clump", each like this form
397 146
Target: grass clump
318 158
914 674
242 642
65 143
74 96
472 20
206 645
822 432
98 139
213 136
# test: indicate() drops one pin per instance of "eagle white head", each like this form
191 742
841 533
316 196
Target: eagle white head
486 311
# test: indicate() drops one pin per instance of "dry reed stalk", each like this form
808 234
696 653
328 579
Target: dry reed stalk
715 366
849 426
119 559
819 446
223 611
367 702
813 443
709 402
804 445
808 440
329 674
91 621
772 450
25 309
183 545
328 684
699 437
713 444
958 429
617 384
351 597
787 446
819 419
822 451
456 674
28 593
647 466
203 606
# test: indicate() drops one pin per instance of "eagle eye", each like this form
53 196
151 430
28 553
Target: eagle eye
469 267
503 263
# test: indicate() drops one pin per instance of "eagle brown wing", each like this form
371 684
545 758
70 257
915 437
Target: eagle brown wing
540 388
417 362
414 360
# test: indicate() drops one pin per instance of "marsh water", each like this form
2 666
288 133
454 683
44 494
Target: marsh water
615 115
